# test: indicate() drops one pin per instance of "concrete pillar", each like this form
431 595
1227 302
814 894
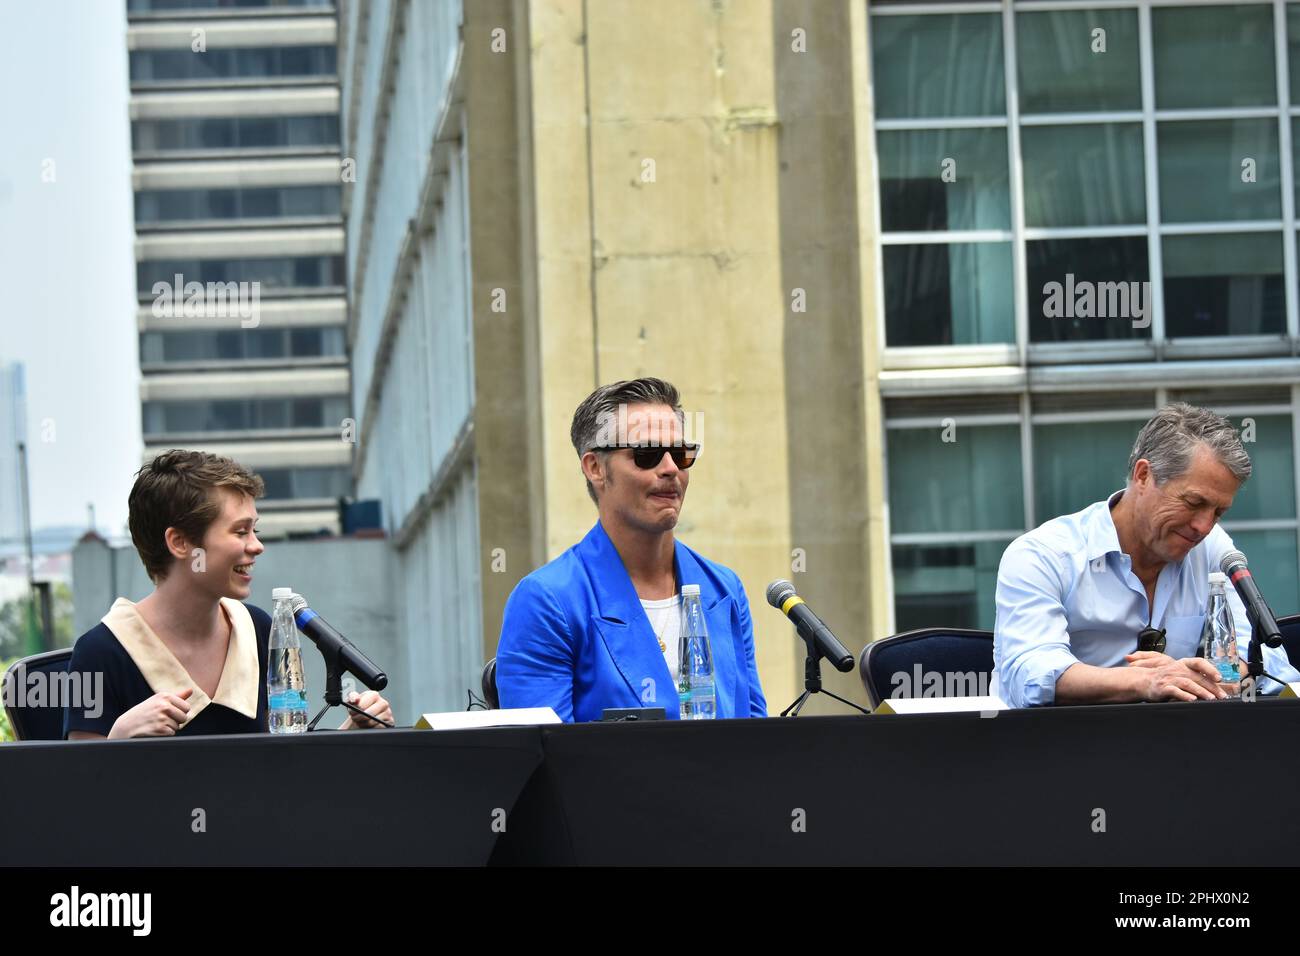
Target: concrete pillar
509 479
656 204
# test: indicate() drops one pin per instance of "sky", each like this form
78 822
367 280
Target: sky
66 260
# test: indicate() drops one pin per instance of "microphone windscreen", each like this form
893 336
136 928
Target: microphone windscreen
1231 558
778 592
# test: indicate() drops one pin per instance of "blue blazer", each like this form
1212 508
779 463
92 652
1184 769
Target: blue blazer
575 637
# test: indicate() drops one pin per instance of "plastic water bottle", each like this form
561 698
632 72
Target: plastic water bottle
695 686
1218 637
286 682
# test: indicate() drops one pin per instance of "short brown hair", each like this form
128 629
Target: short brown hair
598 410
175 490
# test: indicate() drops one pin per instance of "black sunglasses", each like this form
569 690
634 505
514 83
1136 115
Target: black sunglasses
649 456
1151 639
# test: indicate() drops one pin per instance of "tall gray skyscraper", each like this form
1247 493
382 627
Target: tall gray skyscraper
239 244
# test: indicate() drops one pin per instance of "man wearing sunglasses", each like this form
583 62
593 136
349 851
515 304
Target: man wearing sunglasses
598 627
1106 605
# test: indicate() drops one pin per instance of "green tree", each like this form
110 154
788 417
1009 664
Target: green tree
6 732
13 621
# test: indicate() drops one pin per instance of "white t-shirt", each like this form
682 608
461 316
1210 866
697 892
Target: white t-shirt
666 621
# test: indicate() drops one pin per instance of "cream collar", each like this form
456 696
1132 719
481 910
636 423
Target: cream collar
240 677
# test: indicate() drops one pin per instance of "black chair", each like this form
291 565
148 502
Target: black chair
489 681
962 659
40 722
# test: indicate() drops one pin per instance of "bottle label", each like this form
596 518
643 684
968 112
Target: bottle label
287 700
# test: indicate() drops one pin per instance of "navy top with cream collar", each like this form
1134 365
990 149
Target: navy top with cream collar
136 664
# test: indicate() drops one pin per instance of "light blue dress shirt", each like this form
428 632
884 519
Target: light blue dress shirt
1067 594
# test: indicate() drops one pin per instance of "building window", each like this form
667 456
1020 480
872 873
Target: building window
220 64
238 345
274 274
946 585
934 66
955 500
1202 175
1090 162
168 6
282 483
915 196
176 417
234 133
955 293
1079 462
1112 269
1237 39
1224 285
155 206
1088 175
1058 74
957 477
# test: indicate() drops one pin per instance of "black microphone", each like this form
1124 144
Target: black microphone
781 595
332 644
1257 609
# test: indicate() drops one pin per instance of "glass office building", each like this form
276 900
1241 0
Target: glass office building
1085 211
237 178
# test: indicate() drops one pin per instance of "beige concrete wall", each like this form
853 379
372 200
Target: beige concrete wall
680 171
655 155
565 353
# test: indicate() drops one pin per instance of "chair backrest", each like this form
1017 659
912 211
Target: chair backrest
36 716
489 681
931 662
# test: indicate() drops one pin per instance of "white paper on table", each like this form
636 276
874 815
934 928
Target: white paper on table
469 719
940 705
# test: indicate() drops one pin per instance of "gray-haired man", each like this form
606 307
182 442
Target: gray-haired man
1074 594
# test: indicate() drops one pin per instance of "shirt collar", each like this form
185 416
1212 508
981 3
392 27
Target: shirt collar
1102 536
240 677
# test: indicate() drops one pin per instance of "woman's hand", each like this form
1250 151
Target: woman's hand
372 704
158 716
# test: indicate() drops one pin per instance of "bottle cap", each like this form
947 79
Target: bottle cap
278 594
688 589
1218 577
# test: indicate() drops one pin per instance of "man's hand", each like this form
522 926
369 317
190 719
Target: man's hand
372 704
1190 678
158 716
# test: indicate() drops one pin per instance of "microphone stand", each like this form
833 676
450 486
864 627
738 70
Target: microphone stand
334 689
812 682
1255 657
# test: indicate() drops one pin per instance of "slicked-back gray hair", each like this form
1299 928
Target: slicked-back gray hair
1171 437
600 409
